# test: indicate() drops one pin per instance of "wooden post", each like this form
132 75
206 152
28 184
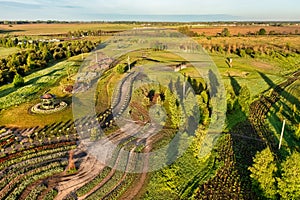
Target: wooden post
183 90
183 86
281 136
128 63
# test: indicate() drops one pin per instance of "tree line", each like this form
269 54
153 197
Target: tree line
273 179
244 50
38 55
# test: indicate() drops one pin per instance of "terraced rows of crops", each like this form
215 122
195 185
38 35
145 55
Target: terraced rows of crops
34 161
29 156
238 148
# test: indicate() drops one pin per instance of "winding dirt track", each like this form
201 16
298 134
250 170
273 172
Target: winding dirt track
89 168
129 134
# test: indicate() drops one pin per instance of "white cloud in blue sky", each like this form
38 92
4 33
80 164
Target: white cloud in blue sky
92 9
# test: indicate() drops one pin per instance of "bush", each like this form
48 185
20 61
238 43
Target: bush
121 69
241 52
18 80
225 32
262 31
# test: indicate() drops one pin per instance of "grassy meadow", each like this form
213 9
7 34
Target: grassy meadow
7 51
52 29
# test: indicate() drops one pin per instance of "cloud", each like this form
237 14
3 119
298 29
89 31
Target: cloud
14 4
71 7
93 9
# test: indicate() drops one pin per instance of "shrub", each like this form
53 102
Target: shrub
121 69
262 31
18 80
225 32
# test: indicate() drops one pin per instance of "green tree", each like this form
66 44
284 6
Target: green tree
262 31
263 173
46 55
297 132
18 80
225 32
244 98
30 60
289 183
174 109
121 69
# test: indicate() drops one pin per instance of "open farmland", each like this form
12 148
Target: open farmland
246 29
54 29
138 102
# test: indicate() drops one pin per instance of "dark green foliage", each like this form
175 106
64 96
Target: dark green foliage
197 86
37 55
262 31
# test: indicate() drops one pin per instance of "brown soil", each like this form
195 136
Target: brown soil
235 30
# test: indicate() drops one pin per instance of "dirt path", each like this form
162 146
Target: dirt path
89 169
122 99
137 186
260 108
135 189
107 178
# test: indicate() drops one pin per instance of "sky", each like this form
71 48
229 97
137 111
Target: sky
91 10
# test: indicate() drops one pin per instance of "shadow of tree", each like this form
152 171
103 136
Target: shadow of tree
235 85
280 89
213 83
10 31
31 81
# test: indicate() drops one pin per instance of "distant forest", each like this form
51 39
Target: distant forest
271 23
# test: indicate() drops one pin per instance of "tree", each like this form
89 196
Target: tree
225 32
297 132
30 60
46 54
174 109
262 31
289 183
244 98
263 173
121 69
18 80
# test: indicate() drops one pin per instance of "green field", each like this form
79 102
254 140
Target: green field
7 51
52 29
16 102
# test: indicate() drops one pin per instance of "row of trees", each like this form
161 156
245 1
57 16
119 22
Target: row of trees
8 42
243 50
226 33
38 55
275 180
82 33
